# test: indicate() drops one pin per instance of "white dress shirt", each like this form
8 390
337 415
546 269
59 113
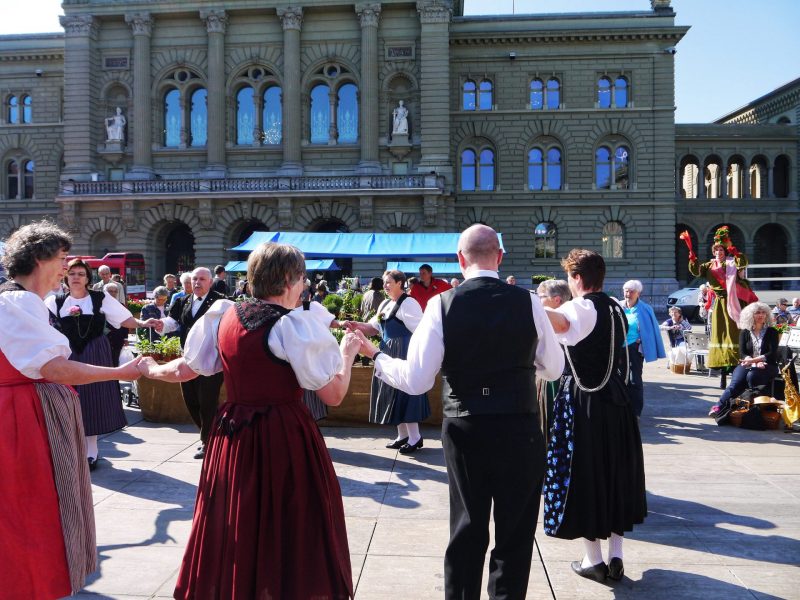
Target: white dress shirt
171 324
417 373
582 317
114 312
410 313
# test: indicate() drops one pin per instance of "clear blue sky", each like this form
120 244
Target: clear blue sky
736 50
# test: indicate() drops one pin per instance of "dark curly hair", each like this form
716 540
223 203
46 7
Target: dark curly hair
38 241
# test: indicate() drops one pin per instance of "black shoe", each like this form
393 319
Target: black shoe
796 426
616 569
598 572
394 445
200 453
92 463
411 448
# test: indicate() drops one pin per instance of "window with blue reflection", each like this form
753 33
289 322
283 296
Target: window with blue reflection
553 93
172 119
199 115
470 92
28 167
320 115
486 170
27 106
485 95
621 92
468 171
602 168
245 116
13 110
272 116
347 114
535 169
544 240
554 169
537 94
604 93
12 180
621 160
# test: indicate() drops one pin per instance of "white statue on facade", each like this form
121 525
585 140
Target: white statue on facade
115 127
400 119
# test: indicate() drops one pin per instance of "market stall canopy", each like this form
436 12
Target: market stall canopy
352 245
439 268
327 264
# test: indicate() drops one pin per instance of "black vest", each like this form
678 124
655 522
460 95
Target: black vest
83 329
182 312
489 348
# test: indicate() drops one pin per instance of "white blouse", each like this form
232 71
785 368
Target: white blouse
410 313
28 340
582 317
302 338
115 313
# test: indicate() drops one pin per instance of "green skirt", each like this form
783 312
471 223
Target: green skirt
723 345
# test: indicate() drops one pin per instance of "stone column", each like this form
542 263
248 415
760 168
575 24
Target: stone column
80 33
434 85
723 181
368 132
747 183
292 20
142 26
333 104
701 182
770 181
216 21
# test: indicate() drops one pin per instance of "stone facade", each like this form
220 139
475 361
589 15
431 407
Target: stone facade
203 164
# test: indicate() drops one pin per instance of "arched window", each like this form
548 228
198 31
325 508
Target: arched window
12 180
544 169
544 240
12 109
486 170
271 117
613 240
621 92
199 118
612 167
604 93
535 169
554 169
347 114
172 118
621 168
469 177
602 159
469 95
537 94
485 95
28 167
27 106
245 116
553 93
320 114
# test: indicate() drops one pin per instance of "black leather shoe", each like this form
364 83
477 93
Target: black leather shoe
394 445
92 463
615 569
411 448
598 572
200 453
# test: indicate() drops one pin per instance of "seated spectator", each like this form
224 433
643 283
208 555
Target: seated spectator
794 310
156 310
758 350
675 326
780 313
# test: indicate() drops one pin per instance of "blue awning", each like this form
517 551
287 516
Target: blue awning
328 264
439 268
353 245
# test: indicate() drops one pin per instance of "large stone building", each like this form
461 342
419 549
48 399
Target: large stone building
237 116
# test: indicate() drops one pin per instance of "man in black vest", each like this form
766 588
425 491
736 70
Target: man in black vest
490 339
201 394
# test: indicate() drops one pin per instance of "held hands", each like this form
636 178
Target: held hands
349 345
151 323
366 348
158 324
147 367
130 370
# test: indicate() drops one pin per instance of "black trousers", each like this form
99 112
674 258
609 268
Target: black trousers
492 459
201 396
636 383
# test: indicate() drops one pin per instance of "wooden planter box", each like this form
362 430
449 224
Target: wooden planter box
354 409
162 402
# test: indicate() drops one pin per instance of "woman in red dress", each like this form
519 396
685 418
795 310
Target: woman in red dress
269 520
47 539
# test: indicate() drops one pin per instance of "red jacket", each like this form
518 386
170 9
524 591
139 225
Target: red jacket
422 294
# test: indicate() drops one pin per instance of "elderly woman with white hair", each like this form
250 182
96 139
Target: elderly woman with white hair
643 340
758 354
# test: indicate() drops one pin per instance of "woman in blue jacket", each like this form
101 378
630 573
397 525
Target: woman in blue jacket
644 340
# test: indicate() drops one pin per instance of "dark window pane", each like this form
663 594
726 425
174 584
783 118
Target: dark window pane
553 93
245 116
347 114
199 116
13 180
172 119
468 102
621 92
468 170
486 95
320 115
604 93
272 117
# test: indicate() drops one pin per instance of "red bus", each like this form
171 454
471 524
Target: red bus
129 265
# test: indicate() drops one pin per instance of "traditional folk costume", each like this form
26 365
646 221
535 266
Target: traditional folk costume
594 481
47 534
269 520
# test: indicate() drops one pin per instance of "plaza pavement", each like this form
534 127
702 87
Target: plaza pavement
724 505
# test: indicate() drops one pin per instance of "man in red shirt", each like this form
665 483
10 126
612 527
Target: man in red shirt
427 287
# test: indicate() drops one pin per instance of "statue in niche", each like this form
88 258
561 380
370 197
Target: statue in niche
400 119
115 127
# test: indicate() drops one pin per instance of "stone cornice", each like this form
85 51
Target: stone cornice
216 20
434 11
756 113
140 23
33 56
291 17
368 14
562 37
79 25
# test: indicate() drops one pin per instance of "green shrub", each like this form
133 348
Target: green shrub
537 279
333 303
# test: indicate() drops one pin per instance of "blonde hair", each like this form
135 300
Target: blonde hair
271 267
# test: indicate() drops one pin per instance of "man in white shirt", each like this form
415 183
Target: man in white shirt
490 339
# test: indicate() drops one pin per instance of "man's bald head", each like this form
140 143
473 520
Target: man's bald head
480 247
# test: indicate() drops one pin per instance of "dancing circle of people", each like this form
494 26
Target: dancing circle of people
530 414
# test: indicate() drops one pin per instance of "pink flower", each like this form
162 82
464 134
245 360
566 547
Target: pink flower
75 311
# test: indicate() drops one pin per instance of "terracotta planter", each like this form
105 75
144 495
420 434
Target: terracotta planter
354 409
162 402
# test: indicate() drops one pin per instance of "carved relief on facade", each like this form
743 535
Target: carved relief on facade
69 217
205 213
128 215
284 212
140 23
365 212
368 14
291 17
79 25
216 20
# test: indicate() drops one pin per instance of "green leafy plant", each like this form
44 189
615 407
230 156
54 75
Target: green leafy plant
165 349
333 303
135 306
537 279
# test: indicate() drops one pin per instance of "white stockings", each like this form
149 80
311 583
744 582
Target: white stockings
594 554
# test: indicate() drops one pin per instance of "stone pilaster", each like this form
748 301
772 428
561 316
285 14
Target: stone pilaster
291 19
216 23
80 34
142 26
369 15
434 18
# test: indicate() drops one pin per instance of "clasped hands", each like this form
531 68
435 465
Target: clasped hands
755 363
355 331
